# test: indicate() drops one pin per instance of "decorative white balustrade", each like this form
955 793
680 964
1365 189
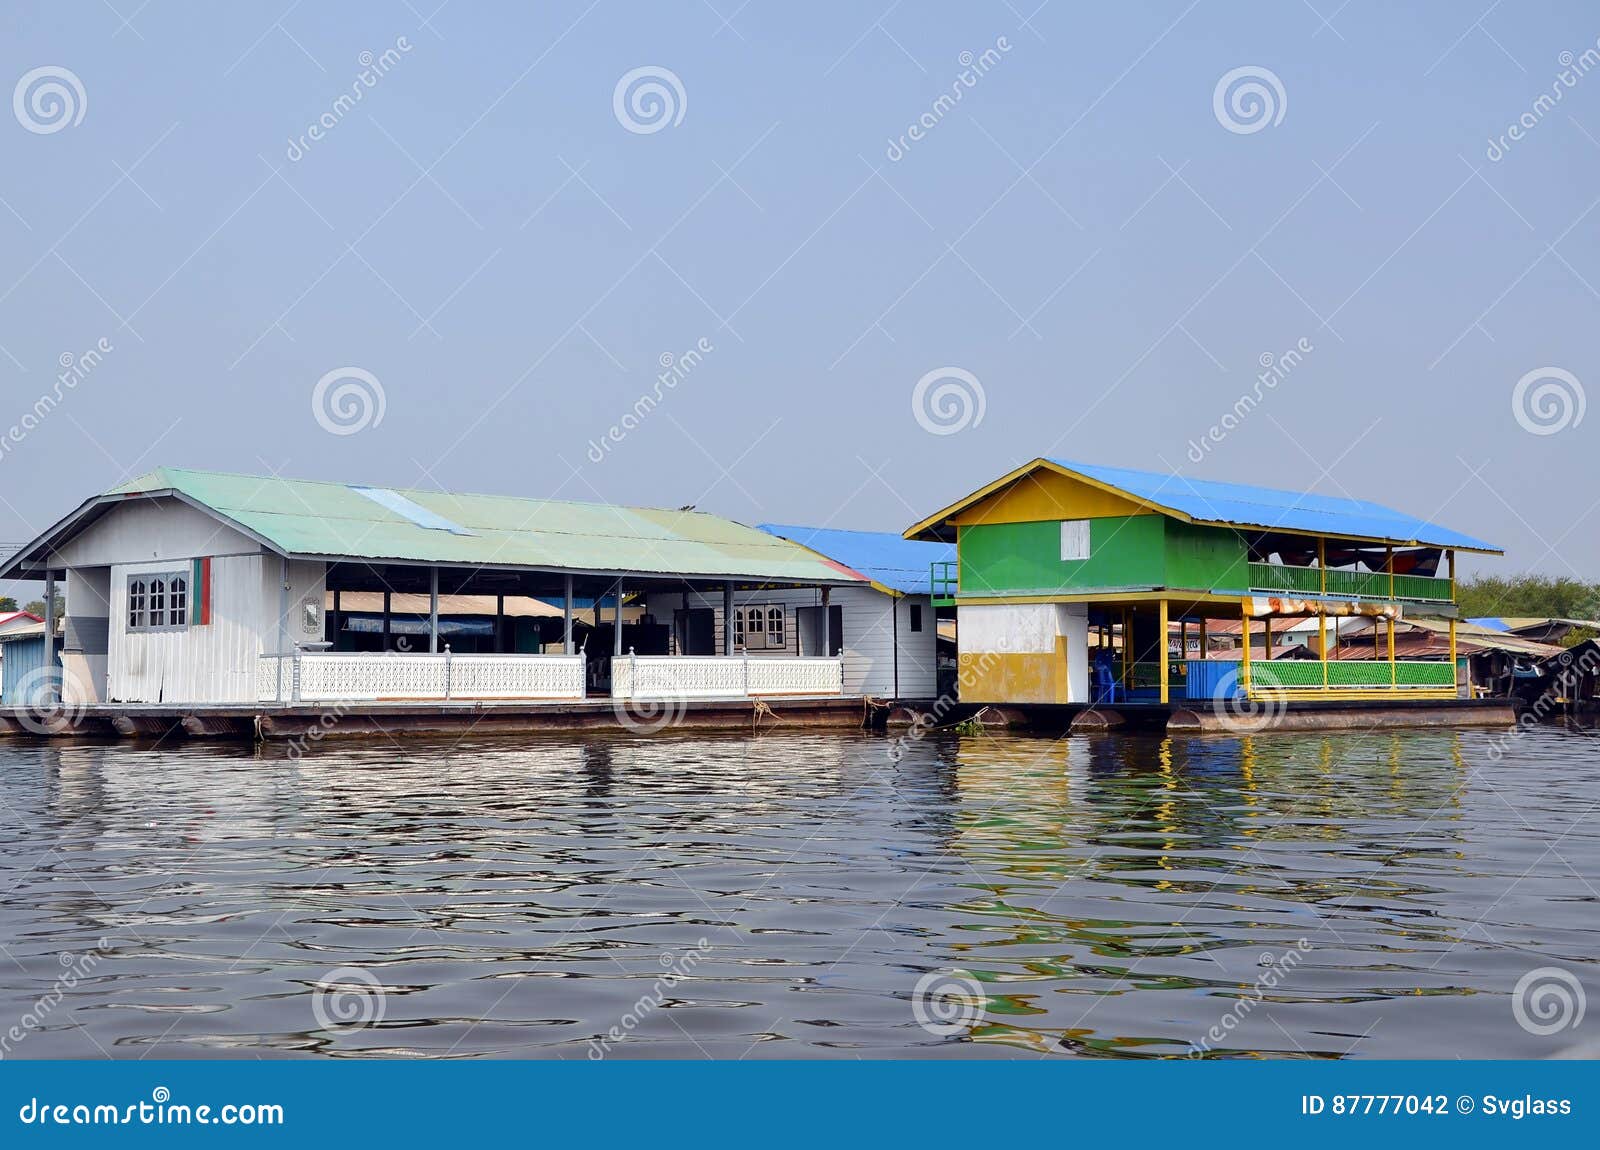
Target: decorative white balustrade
721 677
320 676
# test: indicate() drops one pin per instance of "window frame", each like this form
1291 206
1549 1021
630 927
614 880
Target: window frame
176 601
761 614
1076 534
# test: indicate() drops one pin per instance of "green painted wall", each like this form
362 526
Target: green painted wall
1124 551
1205 558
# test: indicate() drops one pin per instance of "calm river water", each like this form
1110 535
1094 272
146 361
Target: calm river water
799 895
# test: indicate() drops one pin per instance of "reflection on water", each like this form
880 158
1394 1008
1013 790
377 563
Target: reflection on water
1105 896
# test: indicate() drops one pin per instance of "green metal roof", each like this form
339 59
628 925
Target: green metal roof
332 520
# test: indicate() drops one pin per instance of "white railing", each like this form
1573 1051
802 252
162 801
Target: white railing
320 676
722 677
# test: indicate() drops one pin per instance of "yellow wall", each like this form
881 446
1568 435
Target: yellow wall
1046 494
1015 677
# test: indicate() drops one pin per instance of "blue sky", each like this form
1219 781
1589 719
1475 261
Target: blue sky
1083 240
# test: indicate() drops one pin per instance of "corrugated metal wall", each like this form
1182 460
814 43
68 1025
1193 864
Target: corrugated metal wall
24 659
215 663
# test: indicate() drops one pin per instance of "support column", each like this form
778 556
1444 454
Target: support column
334 624
727 618
827 645
616 622
433 610
1393 675
566 616
1388 565
1205 649
1322 638
1453 640
386 627
52 690
1161 649
1244 663
499 623
1267 641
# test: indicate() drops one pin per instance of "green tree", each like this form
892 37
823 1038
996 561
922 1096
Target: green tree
37 607
1536 596
7 603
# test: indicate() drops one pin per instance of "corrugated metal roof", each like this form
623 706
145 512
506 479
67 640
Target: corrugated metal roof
882 556
309 518
1269 508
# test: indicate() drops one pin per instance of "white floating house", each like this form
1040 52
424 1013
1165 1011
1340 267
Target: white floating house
883 630
199 588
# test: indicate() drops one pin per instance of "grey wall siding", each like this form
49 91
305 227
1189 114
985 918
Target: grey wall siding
869 634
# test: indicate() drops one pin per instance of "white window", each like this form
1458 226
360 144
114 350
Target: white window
158 602
759 627
1074 539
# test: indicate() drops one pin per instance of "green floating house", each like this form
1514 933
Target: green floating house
1076 583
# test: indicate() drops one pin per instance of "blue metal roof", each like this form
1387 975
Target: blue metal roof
1491 623
882 556
1267 508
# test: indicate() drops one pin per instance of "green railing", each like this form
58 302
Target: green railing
1353 584
945 579
1300 674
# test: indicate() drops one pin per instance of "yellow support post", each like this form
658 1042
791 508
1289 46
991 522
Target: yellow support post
1453 646
1388 565
1244 665
1161 648
1393 680
1322 608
